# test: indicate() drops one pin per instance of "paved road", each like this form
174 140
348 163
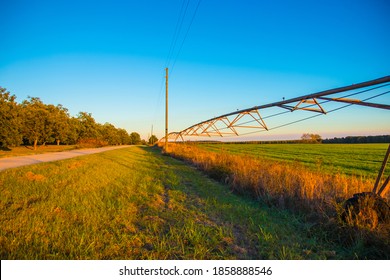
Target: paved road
6 163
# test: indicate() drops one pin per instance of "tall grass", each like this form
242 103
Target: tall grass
286 185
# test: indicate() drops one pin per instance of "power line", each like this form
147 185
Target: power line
185 36
174 42
179 25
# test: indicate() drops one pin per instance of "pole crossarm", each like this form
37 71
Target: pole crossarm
250 118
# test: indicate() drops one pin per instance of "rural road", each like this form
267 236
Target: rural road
12 162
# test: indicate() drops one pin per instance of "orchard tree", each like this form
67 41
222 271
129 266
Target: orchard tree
59 122
88 128
72 135
36 121
10 120
124 136
110 134
152 140
135 138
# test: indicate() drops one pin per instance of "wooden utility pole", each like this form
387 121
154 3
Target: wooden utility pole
151 136
166 110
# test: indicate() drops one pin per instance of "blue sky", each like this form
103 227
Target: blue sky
108 58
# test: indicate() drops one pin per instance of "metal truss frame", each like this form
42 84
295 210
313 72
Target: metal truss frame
228 124
225 126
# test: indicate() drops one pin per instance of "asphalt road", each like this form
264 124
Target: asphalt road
12 162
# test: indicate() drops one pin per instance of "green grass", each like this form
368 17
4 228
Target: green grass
135 203
351 159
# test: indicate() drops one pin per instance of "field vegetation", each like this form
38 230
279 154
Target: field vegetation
297 183
360 160
135 203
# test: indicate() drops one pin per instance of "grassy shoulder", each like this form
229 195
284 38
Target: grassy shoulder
29 150
135 203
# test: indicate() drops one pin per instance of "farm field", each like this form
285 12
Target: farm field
135 203
351 159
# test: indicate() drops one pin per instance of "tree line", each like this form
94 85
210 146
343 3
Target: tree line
32 122
358 139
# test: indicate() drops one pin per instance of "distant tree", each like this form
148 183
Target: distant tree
125 138
36 122
110 134
316 138
153 140
59 122
311 138
360 139
135 138
88 128
72 135
10 120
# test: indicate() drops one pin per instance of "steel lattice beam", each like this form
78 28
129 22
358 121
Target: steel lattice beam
230 121
357 102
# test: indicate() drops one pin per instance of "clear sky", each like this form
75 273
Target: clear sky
108 58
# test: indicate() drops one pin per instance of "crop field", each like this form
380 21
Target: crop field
350 159
313 191
135 203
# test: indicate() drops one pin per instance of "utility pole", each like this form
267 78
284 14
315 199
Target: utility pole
166 110
151 136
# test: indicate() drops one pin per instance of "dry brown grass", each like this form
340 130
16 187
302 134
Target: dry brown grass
35 177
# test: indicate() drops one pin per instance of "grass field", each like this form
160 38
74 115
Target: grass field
350 159
135 203
315 193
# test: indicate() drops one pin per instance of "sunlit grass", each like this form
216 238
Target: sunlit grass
135 203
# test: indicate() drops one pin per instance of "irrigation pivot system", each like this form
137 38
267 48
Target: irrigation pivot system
241 121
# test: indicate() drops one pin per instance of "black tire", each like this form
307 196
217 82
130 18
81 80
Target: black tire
366 202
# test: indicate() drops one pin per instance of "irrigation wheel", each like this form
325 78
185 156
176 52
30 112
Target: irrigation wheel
366 209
